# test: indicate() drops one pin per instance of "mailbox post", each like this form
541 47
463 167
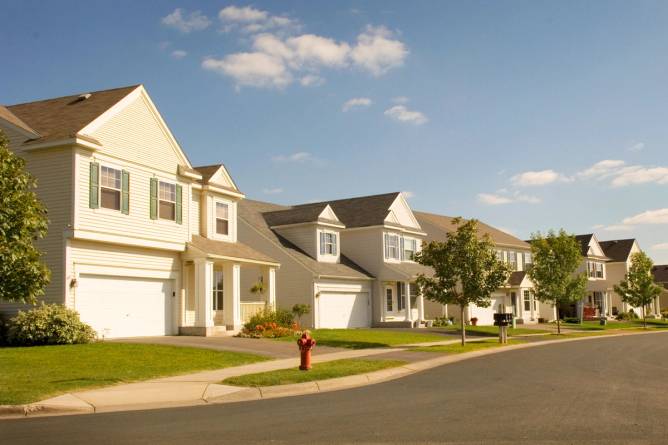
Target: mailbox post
502 320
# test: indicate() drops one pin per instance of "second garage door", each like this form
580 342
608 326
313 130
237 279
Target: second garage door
125 306
343 310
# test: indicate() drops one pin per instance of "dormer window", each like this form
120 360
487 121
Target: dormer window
328 243
392 246
222 218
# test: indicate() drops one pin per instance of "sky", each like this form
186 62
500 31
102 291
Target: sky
528 115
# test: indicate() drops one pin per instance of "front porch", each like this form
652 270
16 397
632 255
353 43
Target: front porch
221 292
402 305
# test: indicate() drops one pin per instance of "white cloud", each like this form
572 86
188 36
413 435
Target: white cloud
602 169
299 156
659 216
272 191
636 174
492 199
179 54
251 20
618 228
638 146
407 194
356 102
537 178
251 69
400 100
402 114
184 22
377 51
316 51
311 80
660 246
502 197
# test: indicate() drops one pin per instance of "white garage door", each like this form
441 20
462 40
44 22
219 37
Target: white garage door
343 310
125 306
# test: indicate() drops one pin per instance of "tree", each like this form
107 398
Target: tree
299 310
638 287
556 259
466 269
23 220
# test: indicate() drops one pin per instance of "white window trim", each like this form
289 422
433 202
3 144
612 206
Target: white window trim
334 242
398 247
215 217
161 181
231 219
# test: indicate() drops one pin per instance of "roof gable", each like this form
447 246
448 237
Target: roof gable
401 213
619 250
63 117
361 211
217 175
328 214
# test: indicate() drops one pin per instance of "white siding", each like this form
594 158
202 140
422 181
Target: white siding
294 283
134 134
137 224
195 222
53 171
364 247
304 237
15 136
111 255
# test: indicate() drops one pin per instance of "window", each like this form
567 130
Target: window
328 243
499 255
410 247
218 290
388 299
599 270
527 300
222 219
167 201
512 260
528 260
413 292
392 246
110 188
598 300
401 296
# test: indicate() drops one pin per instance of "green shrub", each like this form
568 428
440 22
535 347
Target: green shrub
48 324
630 315
281 317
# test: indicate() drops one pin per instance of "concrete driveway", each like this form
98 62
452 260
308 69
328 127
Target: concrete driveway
271 348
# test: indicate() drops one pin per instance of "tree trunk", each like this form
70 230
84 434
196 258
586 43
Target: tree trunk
644 321
463 326
558 319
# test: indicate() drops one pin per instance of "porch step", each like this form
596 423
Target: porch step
219 331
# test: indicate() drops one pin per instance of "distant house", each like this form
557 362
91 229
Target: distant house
350 259
660 273
517 296
140 241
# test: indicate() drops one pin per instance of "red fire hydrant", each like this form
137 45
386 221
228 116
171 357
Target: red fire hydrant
305 343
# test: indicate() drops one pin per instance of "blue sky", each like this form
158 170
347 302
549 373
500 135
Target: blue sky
528 115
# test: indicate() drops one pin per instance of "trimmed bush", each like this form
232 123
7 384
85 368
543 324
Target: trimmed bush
270 324
48 324
281 317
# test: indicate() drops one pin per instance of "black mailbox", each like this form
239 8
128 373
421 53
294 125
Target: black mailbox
503 319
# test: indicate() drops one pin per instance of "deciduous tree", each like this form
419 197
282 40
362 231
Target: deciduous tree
638 287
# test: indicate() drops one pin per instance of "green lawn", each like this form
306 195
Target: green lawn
35 373
457 348
320 371
614 325
368 338
493 330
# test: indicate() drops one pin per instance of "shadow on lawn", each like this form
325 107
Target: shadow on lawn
351 344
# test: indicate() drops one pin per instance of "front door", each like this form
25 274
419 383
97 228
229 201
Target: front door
390 300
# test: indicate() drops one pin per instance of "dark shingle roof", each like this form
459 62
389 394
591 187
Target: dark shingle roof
584 241
363 211
660 272
295 215
617 250
517 277
253 213
14 120
63 117
438 226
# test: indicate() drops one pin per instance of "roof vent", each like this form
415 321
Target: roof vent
83 97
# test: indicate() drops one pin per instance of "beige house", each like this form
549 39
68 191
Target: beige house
349 259
660 273
515 297
140 242
619 252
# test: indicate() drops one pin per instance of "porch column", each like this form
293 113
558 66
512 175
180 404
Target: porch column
203 293
604 304
232 296
409 315
420 307
269 277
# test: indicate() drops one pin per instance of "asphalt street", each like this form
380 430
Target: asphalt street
602 391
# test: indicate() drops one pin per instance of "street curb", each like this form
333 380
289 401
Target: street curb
384 375
70 404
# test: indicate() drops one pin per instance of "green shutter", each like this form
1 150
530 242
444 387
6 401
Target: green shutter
179 206
94 186
154 198
125 192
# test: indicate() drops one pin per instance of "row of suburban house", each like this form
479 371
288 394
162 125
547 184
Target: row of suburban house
142 243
